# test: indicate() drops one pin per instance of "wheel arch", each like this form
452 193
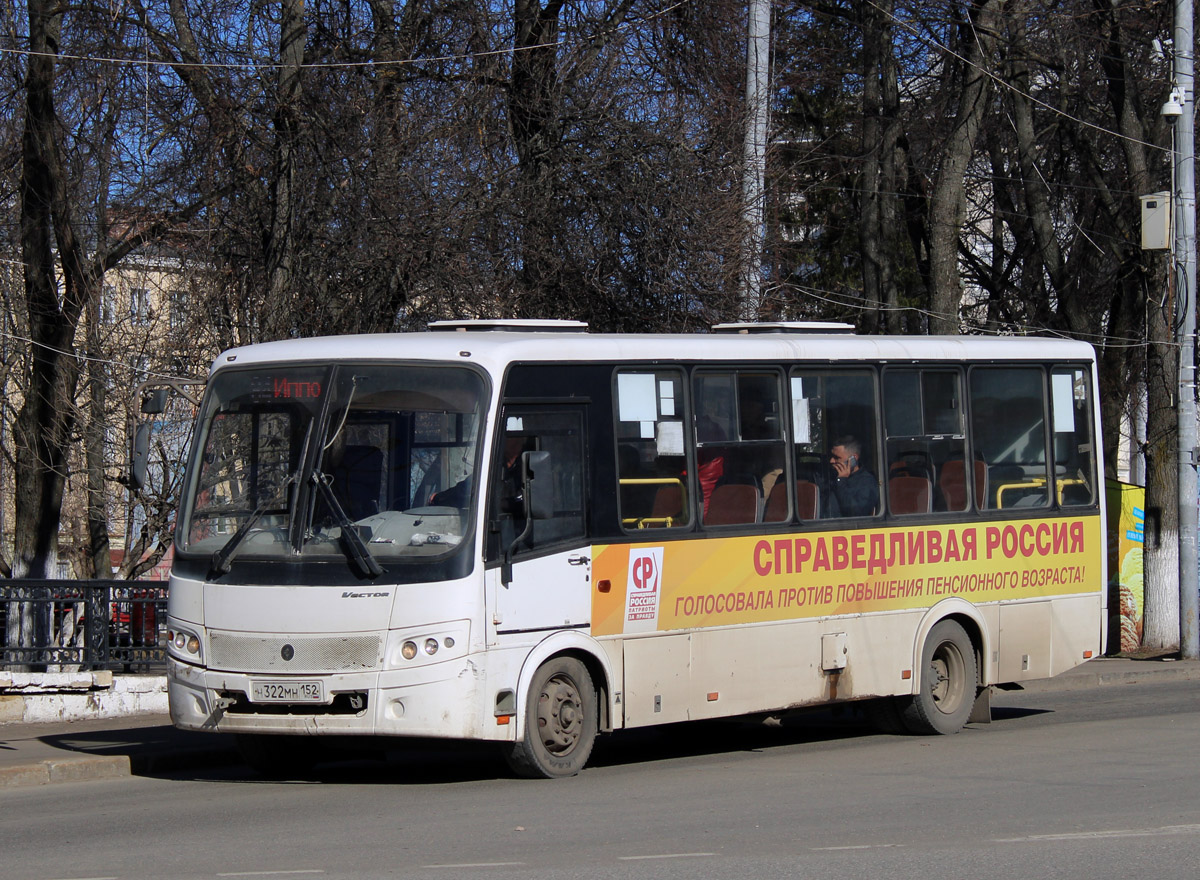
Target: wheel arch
583 648
968 617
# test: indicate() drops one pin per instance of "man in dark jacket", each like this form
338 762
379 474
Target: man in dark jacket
855 491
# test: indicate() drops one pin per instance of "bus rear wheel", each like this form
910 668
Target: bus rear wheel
560 722
947 686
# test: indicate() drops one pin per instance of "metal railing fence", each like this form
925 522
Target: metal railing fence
67 625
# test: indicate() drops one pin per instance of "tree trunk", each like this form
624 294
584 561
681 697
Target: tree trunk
534 122
42 429
1161 559
1033 183
99 558
883 165
393 43
281 240
948 204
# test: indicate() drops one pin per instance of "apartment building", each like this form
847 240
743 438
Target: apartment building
150 322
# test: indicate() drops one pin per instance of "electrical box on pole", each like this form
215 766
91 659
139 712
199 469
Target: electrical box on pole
1156 222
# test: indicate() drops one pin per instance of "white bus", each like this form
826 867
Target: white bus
528 533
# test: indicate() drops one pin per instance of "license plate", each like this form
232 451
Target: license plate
287 692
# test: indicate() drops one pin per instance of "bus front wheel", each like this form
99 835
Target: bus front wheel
560 722
948 681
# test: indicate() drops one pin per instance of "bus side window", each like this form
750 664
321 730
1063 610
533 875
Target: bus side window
828 406
1008 431
926 440
739 446
1074 449
559 432
651 455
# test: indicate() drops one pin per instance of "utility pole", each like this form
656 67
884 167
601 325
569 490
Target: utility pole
1184 155
758 52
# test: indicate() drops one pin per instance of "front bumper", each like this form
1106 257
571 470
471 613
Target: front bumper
445 700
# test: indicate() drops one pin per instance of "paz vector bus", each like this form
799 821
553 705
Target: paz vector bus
523 532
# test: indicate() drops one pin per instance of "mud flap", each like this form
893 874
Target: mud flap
981 711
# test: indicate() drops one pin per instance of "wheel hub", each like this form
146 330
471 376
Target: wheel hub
559 717
947 672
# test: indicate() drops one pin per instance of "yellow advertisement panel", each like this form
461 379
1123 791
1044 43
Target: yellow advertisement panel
1126 527
683 584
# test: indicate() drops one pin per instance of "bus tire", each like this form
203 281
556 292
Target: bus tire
277 756
560 722
946 690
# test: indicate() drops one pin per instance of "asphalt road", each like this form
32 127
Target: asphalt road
1085 784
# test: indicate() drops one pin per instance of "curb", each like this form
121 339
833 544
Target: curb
65 770
1085 677
95 767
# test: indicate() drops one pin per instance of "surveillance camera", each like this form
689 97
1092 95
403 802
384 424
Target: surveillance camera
1173 109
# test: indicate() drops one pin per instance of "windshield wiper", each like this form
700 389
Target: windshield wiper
223 558
352 544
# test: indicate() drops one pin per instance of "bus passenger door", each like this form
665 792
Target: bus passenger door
550 573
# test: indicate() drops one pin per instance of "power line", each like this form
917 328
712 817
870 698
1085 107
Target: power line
931 41
862 304
255 66
85 358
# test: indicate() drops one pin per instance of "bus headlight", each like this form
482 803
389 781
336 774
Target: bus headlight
438 643
184 645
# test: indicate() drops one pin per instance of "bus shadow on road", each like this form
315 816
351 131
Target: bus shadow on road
1011 713
730 736
353 761
821 725
419 762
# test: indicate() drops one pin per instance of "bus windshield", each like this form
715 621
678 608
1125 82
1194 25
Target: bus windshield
363 462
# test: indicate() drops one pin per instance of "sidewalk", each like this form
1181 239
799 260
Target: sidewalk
1112 670
135 745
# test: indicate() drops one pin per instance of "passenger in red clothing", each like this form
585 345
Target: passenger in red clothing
710 460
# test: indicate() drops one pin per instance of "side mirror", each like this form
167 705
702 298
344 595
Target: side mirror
155 401
139 456
539 494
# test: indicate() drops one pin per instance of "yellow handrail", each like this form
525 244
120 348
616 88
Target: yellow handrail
1031 483
1035 482
643 522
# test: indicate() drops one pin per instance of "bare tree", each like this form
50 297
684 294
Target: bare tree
76 151
947 204
884 166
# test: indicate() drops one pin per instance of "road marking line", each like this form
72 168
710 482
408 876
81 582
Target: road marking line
479 865
1165 831
695 855
860 846
90 878
273 873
